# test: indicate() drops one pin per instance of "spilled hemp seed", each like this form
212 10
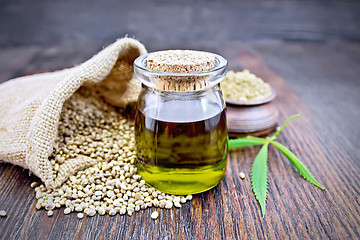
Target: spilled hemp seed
88 126
154 215
2 213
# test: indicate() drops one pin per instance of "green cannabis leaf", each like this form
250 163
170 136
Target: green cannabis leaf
304 171
246 142
259 171
259 177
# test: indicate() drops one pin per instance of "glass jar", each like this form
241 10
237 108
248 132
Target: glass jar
181 137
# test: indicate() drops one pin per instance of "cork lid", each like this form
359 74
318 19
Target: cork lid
180 61
180 70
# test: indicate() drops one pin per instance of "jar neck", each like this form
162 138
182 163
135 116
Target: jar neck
182 95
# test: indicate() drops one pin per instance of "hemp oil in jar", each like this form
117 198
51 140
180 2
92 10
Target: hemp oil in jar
181 136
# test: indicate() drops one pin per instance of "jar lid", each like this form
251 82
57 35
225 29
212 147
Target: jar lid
180 61
180 70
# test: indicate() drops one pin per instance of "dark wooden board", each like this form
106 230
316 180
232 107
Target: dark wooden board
173 22
295 208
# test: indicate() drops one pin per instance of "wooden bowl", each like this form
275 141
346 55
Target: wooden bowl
255 118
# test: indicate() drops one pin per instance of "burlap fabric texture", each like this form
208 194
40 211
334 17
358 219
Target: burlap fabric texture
30 107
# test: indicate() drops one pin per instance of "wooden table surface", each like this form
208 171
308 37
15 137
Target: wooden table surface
295 208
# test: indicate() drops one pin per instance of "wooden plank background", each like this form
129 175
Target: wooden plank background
177 23
295 208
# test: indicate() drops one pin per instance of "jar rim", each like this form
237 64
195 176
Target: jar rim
220 64
149 76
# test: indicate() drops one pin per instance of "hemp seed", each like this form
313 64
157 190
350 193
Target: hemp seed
154 215
67 211
2 213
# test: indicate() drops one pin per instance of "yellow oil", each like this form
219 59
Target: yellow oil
181 157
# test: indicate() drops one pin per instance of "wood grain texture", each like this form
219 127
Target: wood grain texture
295 208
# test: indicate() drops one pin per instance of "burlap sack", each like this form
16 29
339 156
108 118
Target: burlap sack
30 107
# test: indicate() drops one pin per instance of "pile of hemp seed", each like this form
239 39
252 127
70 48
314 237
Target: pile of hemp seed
90 127
244 86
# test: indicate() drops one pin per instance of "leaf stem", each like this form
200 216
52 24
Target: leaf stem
282 127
